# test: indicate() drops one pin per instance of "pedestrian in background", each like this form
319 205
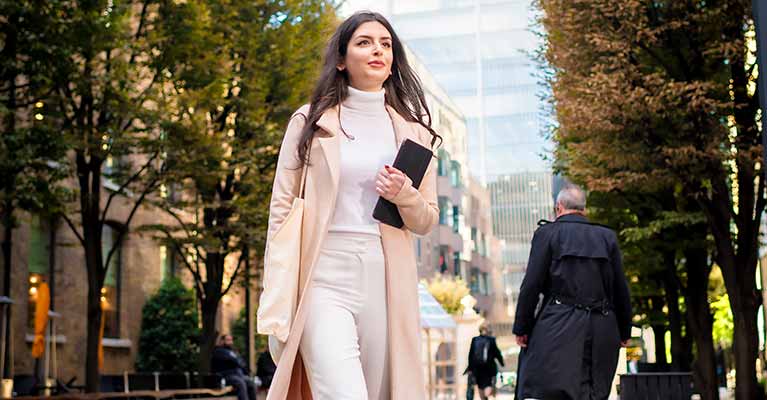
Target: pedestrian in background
571 346
356 330
265 369
483 353
226 362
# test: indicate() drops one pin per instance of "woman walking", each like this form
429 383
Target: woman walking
356 330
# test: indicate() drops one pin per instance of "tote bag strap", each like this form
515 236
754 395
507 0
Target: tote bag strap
302 188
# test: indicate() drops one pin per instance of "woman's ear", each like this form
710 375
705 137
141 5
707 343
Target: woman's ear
341 67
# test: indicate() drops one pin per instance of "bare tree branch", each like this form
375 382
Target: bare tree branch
127 183
73 228
141 22
180 251
233 277
123 232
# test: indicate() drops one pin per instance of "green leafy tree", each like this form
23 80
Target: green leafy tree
169 330
31 152
660 96
255 63
240 333
111 61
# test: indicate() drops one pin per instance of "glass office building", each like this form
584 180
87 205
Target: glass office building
480 51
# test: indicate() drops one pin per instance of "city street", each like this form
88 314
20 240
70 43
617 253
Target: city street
463 192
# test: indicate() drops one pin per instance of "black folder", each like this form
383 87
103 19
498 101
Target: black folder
412 159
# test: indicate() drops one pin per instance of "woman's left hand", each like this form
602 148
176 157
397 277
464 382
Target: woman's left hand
389 182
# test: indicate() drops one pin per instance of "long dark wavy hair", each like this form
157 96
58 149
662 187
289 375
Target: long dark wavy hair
403 88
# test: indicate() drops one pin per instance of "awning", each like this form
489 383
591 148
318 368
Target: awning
432 313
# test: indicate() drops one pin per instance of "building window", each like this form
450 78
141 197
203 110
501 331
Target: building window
445 211
457 263
444 364
442 202
455 173
444 253
443 162
456 219
418 248
168 262
110 292
484 285
39 265
474 244
474 280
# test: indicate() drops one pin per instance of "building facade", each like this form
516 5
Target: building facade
460 244
47 251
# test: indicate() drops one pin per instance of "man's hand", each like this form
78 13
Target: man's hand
521 341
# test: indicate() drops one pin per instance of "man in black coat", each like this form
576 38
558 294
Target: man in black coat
483 353
571 345
226 362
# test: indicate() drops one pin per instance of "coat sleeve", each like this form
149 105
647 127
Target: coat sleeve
418 207
469 363
533 282
498 355
287 176
621 295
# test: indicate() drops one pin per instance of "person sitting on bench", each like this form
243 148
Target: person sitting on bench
226 362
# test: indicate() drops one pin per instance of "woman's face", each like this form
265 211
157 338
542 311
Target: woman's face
369 57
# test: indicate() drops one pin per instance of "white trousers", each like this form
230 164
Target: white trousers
344 343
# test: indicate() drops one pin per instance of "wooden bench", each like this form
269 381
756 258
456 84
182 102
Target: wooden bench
149 386
656 386
198 394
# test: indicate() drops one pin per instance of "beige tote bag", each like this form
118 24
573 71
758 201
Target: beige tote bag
278 301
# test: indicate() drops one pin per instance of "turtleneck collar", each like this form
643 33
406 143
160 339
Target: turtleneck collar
365 102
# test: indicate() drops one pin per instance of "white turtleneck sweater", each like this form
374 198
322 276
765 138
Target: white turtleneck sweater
363 116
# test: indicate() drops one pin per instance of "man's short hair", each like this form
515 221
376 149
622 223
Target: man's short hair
571 197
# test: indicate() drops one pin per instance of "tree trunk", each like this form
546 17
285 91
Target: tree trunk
10 49
679 352
249 351
7 258
92 373
89 178
745 345
7 241
659 331
93 261
214 268
209 308
700 323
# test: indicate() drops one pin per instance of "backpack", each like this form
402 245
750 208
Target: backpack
480 351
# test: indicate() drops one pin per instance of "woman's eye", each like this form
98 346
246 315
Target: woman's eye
362 43
387 45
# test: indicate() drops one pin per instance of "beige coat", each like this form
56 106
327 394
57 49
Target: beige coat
420 213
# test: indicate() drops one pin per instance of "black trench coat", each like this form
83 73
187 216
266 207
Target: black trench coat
574 339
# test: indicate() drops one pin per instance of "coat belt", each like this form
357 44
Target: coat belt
601 306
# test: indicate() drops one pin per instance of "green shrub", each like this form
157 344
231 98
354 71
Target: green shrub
240 332
169 330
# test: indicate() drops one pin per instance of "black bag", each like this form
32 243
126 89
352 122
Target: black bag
480 351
